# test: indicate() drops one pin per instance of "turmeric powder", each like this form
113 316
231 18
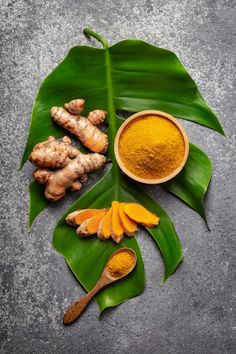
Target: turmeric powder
120 264
151 147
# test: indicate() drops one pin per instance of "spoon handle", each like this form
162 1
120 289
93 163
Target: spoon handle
78 307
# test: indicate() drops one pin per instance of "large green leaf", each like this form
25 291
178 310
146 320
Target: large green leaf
191 183
87 257
131 75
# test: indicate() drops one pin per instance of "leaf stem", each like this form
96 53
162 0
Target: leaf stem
111 109
91 33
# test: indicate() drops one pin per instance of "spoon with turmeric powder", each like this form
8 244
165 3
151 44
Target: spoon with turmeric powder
120 264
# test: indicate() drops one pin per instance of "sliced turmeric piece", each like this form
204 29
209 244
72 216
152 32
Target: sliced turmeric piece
116 226
70 219
104 228
85 214
119 219
90 226
82 229
140 214
94 222
129 225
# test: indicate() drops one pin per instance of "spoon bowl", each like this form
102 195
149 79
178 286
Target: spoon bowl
133 255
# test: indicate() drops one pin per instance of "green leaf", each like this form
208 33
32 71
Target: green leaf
191 183
132 75
164 234
37 201
87 257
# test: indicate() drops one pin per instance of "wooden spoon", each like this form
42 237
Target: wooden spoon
106 278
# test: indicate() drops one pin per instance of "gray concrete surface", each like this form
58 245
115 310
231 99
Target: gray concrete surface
194 311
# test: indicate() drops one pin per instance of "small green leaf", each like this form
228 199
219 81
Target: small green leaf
37 201
191 183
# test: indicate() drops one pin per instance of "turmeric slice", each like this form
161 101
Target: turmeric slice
116 226
90 226
70 219
85 214
119 219
129 225
94 222
140 214
104 228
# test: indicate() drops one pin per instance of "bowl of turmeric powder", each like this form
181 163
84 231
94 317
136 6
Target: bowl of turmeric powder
151 147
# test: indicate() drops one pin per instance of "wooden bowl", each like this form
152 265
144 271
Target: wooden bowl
146 180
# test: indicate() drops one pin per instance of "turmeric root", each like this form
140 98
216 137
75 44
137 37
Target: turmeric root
84 129
75 106
97 117
116 226
140 214
90 226
53 153
129 225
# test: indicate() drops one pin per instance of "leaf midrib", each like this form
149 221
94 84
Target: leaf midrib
112 122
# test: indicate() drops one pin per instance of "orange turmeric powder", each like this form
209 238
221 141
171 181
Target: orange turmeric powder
120 264
151 147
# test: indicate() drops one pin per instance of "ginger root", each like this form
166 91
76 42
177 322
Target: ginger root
72 172
119 219
53 153
85 129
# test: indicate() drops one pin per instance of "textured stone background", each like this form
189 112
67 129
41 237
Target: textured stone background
193 312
